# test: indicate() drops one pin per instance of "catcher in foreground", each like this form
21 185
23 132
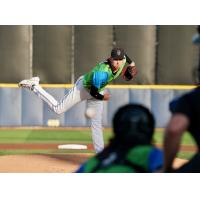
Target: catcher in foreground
89 87
130 149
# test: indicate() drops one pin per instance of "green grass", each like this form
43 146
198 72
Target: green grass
38 151
47 136
186 140
185 155
55 136
67 136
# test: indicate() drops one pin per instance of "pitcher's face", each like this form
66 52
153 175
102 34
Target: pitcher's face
116 64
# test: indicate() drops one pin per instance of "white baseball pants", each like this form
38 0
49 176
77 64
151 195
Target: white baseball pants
77 94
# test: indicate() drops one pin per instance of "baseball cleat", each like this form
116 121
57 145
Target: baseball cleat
29 83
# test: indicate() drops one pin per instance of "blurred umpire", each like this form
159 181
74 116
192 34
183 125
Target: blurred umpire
131 149
185 117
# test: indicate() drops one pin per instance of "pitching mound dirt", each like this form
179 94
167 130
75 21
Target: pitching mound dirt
49 163
41 163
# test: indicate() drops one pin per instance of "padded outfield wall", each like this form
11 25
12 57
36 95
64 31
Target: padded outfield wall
20 107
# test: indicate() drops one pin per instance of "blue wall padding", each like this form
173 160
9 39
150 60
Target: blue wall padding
32 109
10 107
20 107
160 106
141 96
118 98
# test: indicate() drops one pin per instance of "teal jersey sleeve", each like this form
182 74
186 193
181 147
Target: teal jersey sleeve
99 79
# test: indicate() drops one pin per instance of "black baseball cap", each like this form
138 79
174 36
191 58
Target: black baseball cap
117 53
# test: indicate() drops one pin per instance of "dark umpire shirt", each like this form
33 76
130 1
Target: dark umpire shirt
189 105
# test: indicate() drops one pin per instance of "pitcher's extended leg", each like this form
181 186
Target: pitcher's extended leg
74 96
96 124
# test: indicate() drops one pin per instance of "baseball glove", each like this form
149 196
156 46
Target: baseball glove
129 72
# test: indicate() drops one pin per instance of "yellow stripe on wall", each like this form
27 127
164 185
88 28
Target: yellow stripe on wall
11 85
157 87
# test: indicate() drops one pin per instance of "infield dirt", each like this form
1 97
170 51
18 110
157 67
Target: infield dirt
49 163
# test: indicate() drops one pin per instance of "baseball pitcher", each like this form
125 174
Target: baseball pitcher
89 87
